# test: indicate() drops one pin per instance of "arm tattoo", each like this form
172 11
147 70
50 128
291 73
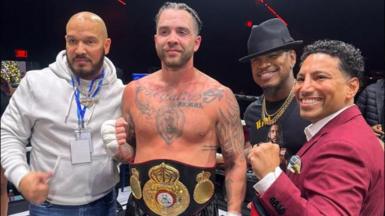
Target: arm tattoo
230 131
169 123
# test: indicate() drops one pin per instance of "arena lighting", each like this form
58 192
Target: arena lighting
272 11
122 2
21 53
249 23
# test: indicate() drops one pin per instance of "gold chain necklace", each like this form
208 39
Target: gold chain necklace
273 118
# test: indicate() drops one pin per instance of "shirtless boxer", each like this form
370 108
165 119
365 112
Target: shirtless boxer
179 116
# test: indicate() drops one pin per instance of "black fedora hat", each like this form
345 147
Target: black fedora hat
271 35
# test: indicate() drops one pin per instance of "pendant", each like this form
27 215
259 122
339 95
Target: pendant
87 102
267 120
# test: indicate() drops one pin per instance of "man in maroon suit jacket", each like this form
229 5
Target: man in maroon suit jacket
340 170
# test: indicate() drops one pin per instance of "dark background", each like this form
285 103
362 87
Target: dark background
39 27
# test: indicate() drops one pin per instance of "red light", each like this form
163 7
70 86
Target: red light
249 24
20 53
122 2
272 11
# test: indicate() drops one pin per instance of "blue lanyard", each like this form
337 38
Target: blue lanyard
81 110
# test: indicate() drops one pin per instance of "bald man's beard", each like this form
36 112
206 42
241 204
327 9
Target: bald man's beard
84 73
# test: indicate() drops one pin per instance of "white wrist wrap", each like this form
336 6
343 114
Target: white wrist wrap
233 214
108 132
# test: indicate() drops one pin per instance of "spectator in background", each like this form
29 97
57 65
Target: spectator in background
5 95
4 194
10 78
3 190
371 104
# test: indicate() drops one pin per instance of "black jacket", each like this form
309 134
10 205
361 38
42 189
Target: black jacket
371 103
4 101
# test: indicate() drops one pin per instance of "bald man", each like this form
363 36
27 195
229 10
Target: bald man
59 110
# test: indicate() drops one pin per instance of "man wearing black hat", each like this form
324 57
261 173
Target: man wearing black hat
272 57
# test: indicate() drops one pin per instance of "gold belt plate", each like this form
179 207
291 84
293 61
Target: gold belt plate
164 194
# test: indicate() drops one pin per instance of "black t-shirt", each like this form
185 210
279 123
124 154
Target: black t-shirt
291 127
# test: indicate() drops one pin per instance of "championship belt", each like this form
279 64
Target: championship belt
170 188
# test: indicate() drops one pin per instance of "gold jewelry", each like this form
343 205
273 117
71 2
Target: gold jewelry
270 119
86 98
87 101
84 90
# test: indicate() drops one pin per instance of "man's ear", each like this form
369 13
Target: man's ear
353 86
293 57
107 46
197 43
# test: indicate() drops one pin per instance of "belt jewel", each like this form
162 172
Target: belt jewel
135 184
164 194
204 189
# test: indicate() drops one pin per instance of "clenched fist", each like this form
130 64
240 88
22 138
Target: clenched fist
114 137
264 158
34 186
